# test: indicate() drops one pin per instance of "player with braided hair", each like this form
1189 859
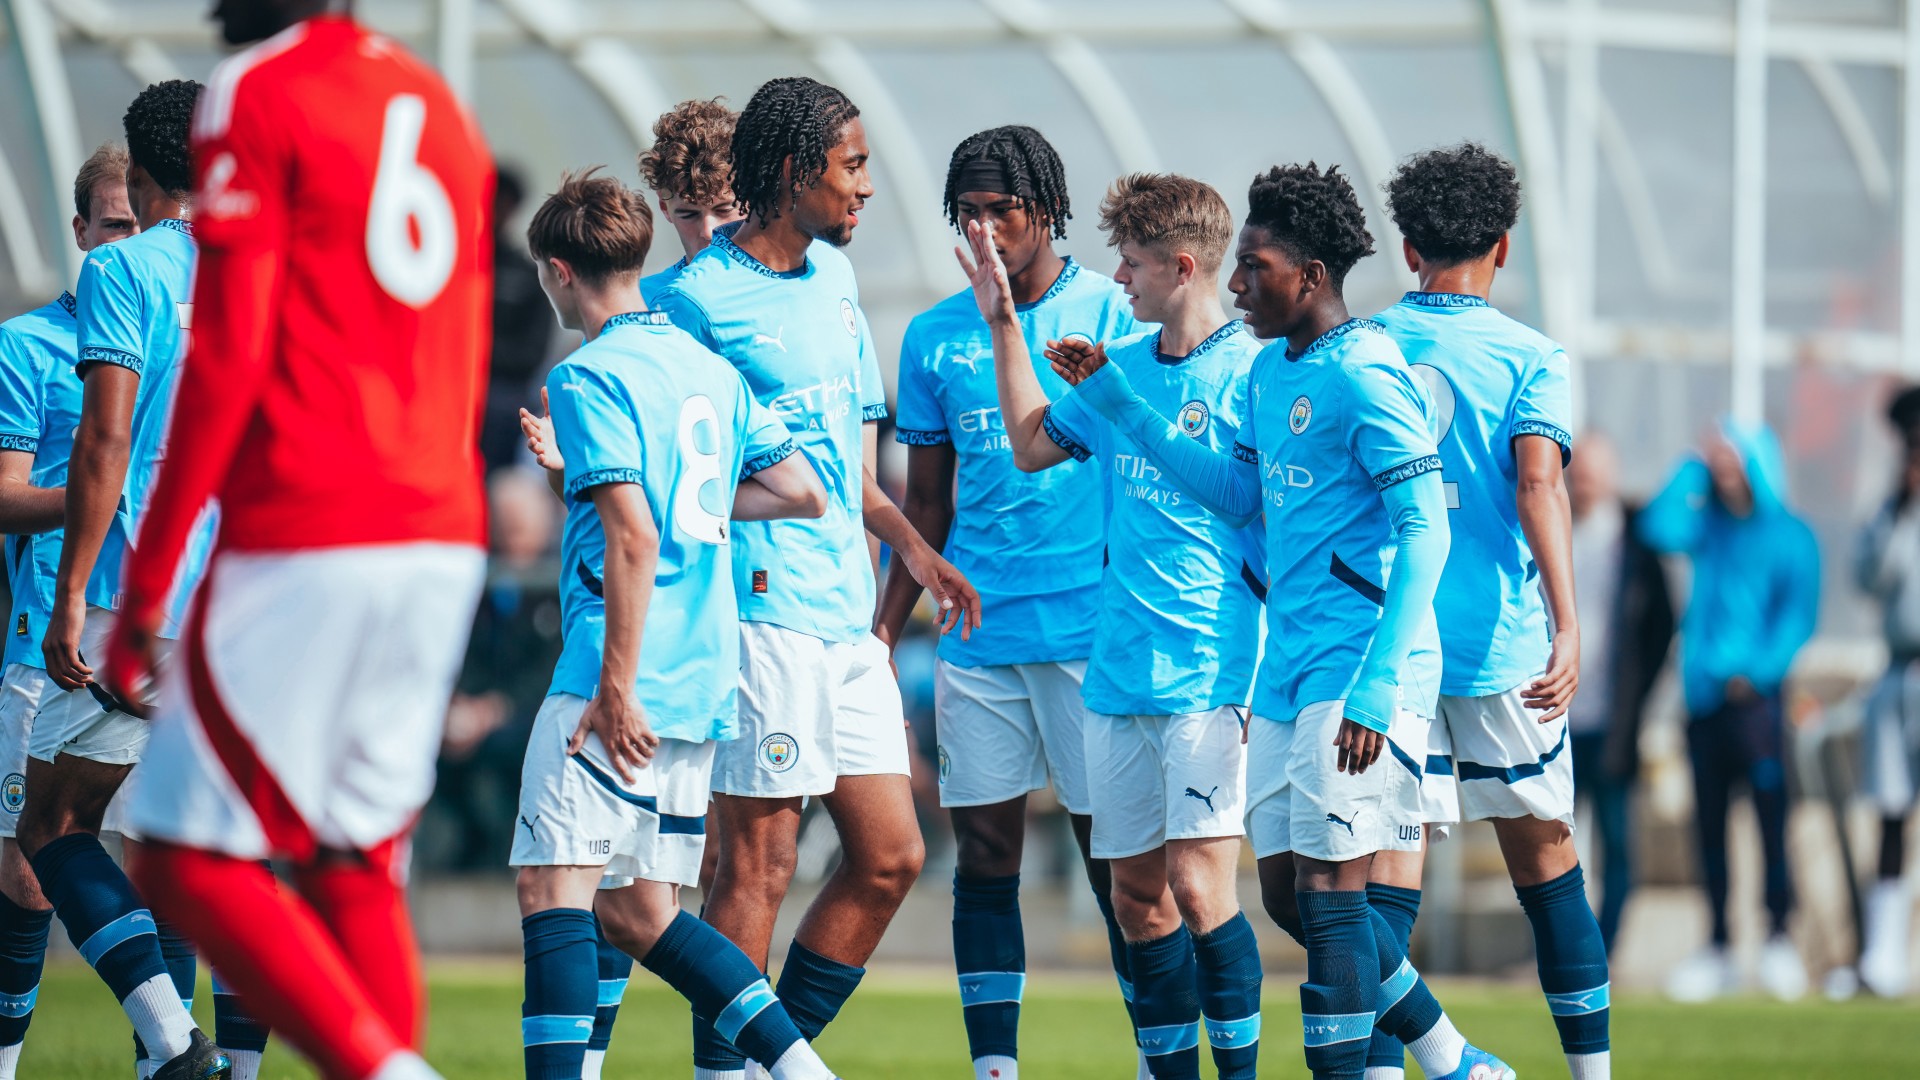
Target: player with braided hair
1023 164
819 711
689 167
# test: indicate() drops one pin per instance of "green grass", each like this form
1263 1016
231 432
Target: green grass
909 1027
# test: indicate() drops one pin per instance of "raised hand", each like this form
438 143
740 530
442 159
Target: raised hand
1074 359
539 433
986 273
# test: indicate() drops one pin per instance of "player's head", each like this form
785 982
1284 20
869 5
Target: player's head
1009 177
1593 476
589 239
800 152
245 21
101 213
160 168
1903 412
1172 233
689 169
1455 205
1304 231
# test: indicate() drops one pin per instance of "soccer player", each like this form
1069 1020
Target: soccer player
131 314
820 713
39 406
332 402
1007 699
1178 625
1337 454
614 790
1511 660
688 169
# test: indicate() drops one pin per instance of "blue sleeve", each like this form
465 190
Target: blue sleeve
110 311
1227 485
1544 405
1073 426
873 389
598 433
20 394
919 421
1385 426
1795 609
1417 507
1673 521
688 315
764 439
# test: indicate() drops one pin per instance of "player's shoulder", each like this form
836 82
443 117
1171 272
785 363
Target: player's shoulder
1367 345
953 315
261 69
1133 348
29 328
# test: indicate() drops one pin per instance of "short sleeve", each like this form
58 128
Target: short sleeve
919 421
1544 405
1073 425
764 439
873 389
20 393
688 315
1386 429
112 323
598 433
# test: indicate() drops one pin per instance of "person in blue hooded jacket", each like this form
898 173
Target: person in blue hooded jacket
1755 599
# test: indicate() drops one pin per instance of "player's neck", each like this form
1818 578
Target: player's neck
1033 281
777 243
1193 320
1466 279
156 210
1326 315
618 298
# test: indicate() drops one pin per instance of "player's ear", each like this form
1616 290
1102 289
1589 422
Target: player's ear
1500 249
1413 257
80 232
1186 267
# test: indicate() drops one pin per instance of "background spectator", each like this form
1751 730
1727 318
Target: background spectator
523 326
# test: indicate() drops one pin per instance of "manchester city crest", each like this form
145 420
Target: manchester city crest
946 765
13 792
847 319
779 751
1300 415
1193 417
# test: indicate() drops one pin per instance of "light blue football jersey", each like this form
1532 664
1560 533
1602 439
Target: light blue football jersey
1029 542
1330 430
653 284
803 345
39 407
645 404
1179 605
135 308
1492 379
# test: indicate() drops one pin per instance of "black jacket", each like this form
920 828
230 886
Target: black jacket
1643 626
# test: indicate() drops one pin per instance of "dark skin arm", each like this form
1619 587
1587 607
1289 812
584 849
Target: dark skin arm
1546 519
102 444
25 509
929 509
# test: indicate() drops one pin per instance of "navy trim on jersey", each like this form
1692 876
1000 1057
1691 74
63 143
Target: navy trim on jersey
1061 438
1253 583
1334 335
26 444
1350 577
603 476
723 239
96 354
1243 452
1440 764
637 318
1215 338
1444 299
1401 473
69 304
181 225
1551 431
587 579
1513 774
915 437
670 824
768 460
875 411
1068 272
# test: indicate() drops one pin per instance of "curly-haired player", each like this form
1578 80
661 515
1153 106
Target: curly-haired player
820 713
1501 397
689 167
1337 455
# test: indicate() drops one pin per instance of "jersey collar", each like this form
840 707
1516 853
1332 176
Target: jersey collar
723 239
179 225
1334 335
1231 328
1068 271
1444 299
637 318
68 304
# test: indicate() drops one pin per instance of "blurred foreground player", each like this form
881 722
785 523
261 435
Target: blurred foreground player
332 402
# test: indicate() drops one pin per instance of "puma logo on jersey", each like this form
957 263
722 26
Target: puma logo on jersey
970 361
774 340
1193 793
97 262
1334 819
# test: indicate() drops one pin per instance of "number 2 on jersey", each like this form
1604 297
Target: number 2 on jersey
1441 390
410 223
702 469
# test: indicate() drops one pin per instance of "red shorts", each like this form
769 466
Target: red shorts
305 704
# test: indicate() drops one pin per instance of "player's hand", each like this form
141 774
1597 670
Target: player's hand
621 723
539 433
884 633
1074 359
61 646
986 272
1359 745
132 659
1740 690
959 601
1553 692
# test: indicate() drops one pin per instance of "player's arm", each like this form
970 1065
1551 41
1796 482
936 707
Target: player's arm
1794 611
1023 402
25 509
959 601
929 509
1540 494
785 488
633 554
1227 485
96 475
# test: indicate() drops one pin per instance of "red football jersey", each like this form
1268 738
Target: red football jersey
341 313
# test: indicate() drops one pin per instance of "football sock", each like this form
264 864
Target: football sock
990 956
23 953
271 946
115 933
1399 907
720 982
237 1032
1117 952
813 988
365 910
1227 978
1343 981
616 968
1572 959
1165 1004
556 1016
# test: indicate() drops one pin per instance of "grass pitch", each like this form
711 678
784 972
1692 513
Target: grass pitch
908 1026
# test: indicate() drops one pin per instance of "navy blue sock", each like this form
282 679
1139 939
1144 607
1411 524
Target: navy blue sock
990 957
616 968
1403 1007
105 919
813 988
233 1027
1398 907
1572 958
719 981
23 952
556 1017
1343 981
1117 952
1166 1005
182 966
1227 976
